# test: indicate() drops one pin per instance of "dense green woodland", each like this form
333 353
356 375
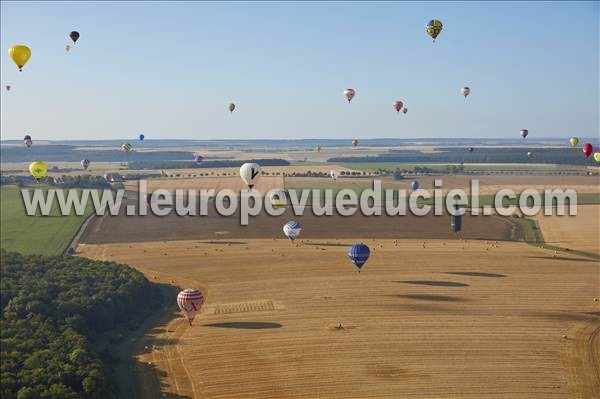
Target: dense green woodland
58 314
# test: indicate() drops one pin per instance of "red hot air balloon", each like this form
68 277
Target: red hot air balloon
587 149
190 302
398 105
524 133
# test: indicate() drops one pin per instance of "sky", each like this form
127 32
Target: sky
169 69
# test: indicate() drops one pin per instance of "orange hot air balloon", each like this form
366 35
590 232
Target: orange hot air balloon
587 149
398 105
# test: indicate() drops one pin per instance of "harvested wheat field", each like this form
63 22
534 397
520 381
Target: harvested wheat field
424 319
121 228
580 232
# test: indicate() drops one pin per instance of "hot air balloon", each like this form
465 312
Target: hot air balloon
7 87
74 36
405 110
349 93
529 154
471 149
465 91
292 230
199 159
250 172
126 147
358 254
231 107
20 55
414 185
190 302
67 48
597 157
318 148
141 137
354 143
278 199
38 169
524 132
574 141
27 141
398 105
85 163
434 28
587 149
334 174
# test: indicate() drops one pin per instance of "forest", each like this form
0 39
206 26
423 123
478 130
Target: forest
56 312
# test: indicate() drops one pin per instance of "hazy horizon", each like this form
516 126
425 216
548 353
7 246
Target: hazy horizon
530 65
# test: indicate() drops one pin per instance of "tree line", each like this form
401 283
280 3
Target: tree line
56 311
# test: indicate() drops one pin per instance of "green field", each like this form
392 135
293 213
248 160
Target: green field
45 235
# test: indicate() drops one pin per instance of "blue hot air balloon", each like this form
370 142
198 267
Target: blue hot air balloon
358 254
456 222
142 136
414 185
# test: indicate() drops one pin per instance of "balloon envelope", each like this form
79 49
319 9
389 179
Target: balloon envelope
354 143
141 137
250 173
434 28
465 91
199 159
334 174
292 229
38 169
471 149
190 302
358 254
587 149
405 110
398 105
574 141
597 157
20 55
85 163
67 47
524 132
7 87
231 107
126 147
349 93
529 154
414 185
74 36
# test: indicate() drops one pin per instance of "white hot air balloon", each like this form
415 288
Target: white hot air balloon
250 172
334 174
292 229
465 91
190 302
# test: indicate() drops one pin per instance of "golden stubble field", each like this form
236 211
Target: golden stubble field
581 232
425 319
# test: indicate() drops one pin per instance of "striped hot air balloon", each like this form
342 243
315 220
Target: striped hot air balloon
278 199
190 302
126 147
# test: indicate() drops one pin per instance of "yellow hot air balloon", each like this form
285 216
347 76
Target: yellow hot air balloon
574 141
597 157
38 169
318 148
20 55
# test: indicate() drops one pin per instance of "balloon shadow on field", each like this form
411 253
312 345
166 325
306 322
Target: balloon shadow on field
327 244
434 283
429 297
477 274
562 258
245 325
